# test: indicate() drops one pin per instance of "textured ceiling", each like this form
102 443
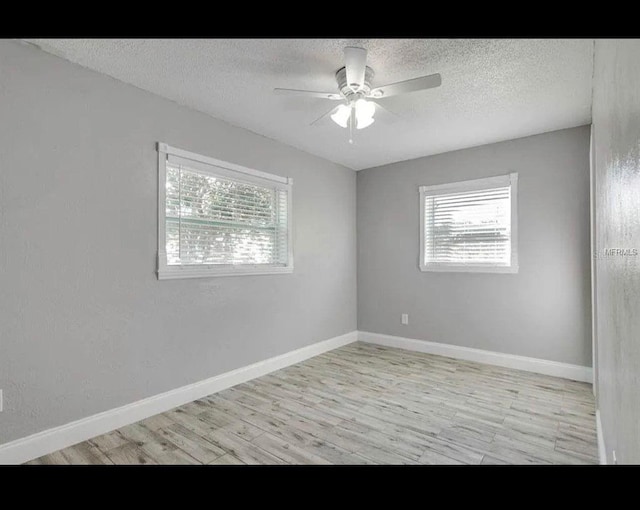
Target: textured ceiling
491 90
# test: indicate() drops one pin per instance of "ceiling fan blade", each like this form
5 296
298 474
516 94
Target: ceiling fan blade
403 87
324 116
308 93
355 61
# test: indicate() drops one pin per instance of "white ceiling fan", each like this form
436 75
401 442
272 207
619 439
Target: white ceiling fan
354 89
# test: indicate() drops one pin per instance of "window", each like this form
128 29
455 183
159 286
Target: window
218 219
470 226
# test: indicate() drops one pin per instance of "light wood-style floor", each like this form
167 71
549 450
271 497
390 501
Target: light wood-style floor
363 404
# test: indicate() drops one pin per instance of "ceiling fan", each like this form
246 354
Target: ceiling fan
354 89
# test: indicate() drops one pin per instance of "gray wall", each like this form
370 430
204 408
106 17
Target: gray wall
85 325
616 121
544 311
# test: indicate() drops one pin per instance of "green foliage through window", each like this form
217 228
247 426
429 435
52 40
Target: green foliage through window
215 220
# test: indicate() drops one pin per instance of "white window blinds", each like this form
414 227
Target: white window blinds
469 225
221 221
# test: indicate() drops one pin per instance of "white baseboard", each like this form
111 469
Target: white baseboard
602 452
48 441
540 366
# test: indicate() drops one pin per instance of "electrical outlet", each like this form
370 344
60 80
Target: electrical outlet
615 458
405 318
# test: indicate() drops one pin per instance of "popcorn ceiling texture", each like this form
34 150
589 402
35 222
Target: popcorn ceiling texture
492 90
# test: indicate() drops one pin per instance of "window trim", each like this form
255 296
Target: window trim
473 185
167 272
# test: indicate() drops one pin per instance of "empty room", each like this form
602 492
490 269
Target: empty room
329 251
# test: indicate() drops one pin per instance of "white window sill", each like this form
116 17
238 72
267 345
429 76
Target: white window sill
177 272
454 268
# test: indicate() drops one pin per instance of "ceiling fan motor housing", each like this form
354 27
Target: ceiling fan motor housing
347 91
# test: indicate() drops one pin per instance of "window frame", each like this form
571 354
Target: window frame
510 179
226 170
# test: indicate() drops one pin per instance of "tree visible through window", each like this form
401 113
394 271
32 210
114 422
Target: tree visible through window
220 221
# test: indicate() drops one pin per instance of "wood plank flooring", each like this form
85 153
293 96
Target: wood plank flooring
365 404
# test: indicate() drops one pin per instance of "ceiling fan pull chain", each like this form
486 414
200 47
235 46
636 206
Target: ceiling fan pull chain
351 125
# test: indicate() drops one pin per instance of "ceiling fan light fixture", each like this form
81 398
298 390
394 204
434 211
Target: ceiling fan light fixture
364 113
341 116
361 124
